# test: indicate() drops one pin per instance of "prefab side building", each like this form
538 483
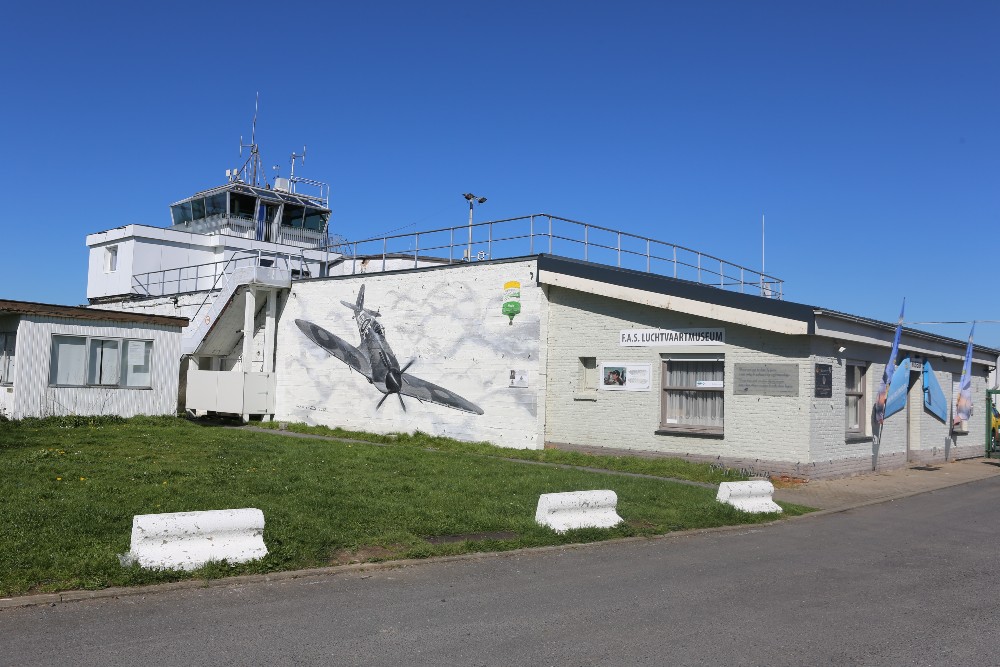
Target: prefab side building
65 360
549 350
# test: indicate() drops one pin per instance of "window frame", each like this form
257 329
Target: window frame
111 259
861 396
666 428
7 360
588 375
123 344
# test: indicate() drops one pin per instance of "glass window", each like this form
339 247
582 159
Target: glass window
292 216
215 205
7 357
242 206
111 259
855 398
693 394
197 209
78 361
588 373
104 358
315 220
68 366
181 213
136 357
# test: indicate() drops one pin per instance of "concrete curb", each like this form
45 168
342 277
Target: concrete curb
52 599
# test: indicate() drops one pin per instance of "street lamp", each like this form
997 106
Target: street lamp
473 200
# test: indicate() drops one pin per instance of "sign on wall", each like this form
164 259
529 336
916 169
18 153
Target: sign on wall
766 379
667 337
518 378
824 381
620 376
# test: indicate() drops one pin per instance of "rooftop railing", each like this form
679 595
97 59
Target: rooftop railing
544 233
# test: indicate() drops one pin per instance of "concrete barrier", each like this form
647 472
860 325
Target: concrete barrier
577 509
748 496
188 540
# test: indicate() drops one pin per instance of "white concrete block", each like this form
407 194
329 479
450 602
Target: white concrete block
748 496
578 509
188 540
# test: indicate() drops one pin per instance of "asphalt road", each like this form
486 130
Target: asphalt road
910 582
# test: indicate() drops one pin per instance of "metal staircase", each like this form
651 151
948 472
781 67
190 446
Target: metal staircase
255 269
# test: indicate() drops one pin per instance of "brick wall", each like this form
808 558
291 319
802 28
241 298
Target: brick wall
757 428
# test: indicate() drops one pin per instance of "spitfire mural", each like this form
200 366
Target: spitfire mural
374 359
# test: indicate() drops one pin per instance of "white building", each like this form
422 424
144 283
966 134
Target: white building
64 360
615 359
491 332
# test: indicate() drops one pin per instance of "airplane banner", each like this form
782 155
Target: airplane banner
889 372
963 403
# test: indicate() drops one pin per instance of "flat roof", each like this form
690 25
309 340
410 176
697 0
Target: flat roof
81 313
789 310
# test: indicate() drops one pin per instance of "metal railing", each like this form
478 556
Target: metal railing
239 269
199 277
545 233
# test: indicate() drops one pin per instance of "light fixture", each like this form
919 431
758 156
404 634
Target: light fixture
473 200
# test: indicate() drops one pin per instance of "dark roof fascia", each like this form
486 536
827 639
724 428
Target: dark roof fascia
81 313
419 269
651 282
915 333
343 259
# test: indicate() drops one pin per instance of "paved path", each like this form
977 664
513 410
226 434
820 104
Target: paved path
838 494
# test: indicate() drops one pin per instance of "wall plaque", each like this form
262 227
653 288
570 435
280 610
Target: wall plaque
824 381
766 379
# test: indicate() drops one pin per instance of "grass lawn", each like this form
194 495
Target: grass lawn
660 467
70 487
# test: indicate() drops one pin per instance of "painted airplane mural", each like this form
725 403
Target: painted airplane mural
375 360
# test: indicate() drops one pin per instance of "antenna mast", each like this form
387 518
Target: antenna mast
295 157
253 162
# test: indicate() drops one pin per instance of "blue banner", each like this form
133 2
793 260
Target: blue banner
934 400
896 400
963 403
888 373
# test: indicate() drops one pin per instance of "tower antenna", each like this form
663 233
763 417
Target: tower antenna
253 162
296 156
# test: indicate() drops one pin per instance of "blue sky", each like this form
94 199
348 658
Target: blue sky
867 132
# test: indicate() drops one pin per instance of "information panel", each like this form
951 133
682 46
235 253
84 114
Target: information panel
766 379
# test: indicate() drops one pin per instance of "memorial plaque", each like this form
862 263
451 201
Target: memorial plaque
824 381
766 380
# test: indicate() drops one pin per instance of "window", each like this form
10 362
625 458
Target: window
79 361
588 374
693 394
855 398
111 259
7 357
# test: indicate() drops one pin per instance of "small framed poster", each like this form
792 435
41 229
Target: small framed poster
621 376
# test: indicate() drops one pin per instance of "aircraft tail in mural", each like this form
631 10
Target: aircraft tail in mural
359 305
375 360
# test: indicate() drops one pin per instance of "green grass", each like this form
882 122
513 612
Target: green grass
659 467
70 487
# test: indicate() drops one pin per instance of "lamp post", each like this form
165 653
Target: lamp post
473 200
